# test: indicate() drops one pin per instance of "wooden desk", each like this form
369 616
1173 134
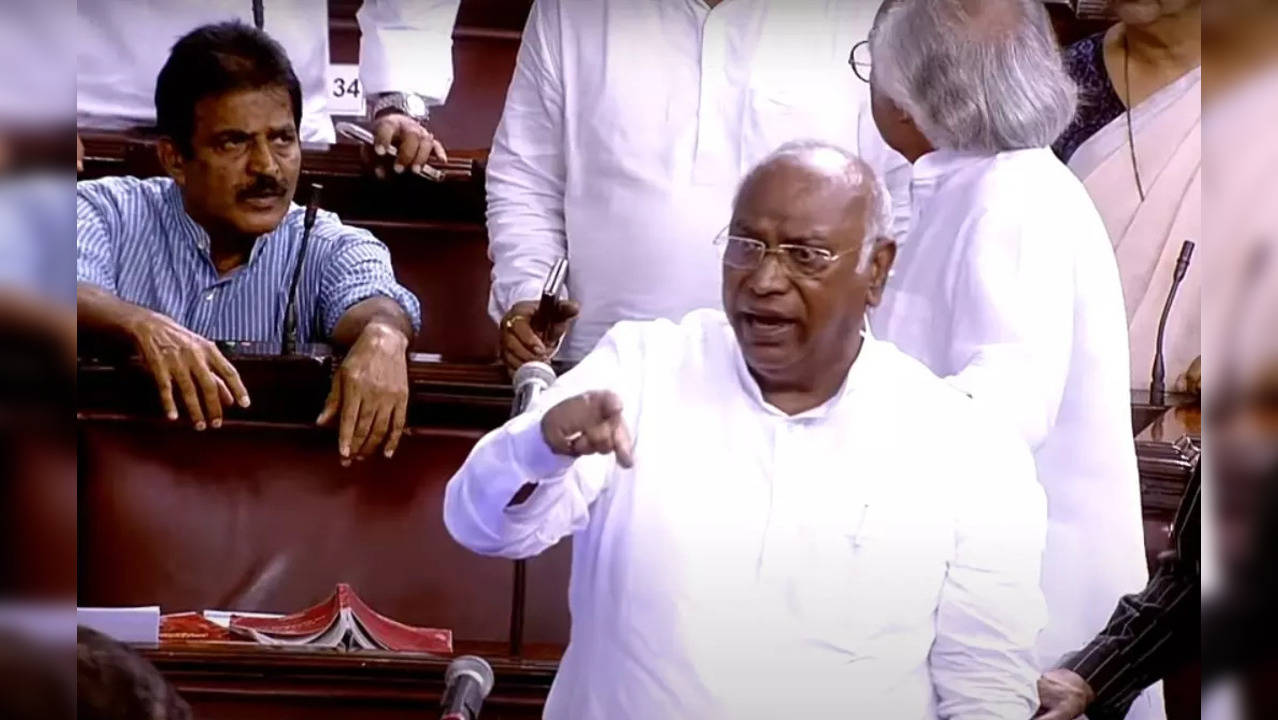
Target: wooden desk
259 515
246 683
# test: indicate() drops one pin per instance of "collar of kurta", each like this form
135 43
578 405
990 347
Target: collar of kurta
859 377
938 164
188 231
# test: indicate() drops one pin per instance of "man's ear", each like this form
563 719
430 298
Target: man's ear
172 159
881 260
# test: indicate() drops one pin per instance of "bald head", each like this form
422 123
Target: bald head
828 168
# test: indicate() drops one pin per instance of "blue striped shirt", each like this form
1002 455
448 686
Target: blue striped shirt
135 239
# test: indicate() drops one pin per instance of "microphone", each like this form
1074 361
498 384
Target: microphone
1157 396
467 681
288 344
530 380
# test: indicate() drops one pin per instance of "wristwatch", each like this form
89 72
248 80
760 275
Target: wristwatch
410 104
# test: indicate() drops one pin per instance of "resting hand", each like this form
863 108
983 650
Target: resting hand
409 142
1062 695
1192 381
520 344
589 424
177 356
371 391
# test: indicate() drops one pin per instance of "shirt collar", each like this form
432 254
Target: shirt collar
190 231
185 227
939 164
859 376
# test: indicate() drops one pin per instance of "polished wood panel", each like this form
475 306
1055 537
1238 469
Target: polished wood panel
244 683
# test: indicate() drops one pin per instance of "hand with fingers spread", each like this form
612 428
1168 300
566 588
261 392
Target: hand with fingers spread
1062 695
408 141
370 394
178 357
589 424
520 343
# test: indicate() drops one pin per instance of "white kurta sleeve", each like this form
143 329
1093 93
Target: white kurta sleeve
991 607
407 46
476 500
526 169
1013 319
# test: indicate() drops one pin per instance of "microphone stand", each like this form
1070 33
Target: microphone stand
288 343
1157 391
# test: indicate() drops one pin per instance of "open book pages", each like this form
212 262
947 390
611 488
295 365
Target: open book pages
346 622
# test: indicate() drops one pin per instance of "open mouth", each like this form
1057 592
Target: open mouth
765 327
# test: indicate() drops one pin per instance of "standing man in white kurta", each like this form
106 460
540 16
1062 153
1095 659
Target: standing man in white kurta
626 129
774 515
1007 285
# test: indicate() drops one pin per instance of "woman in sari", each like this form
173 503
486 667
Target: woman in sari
1135 143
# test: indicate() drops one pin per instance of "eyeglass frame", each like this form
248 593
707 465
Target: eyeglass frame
856 67
782 251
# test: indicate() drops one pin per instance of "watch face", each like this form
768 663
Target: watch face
416 105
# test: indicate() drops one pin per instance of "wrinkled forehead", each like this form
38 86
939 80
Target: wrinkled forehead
796 202
252 109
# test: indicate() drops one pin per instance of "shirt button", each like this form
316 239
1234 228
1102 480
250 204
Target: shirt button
209 295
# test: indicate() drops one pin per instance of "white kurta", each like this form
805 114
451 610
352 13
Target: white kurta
874 557
628 126
1008 287
405 46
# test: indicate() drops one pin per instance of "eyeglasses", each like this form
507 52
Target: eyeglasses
743 253
859 59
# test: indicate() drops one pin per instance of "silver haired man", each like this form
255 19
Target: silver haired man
756 535
1007 284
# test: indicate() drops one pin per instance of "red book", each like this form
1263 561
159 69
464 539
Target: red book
344 621
191 627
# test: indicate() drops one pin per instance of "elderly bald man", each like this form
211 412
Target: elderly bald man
1007 284
773 514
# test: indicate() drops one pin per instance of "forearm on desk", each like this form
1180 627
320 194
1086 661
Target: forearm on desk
377 310
100 310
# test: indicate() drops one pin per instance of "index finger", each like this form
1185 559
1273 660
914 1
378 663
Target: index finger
523 332
419 159
350 414
164 381
397 427
438 147
383 134
408 146
623 445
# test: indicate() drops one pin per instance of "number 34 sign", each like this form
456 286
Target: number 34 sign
345 94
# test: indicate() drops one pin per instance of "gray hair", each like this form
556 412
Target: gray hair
838 162
975 75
